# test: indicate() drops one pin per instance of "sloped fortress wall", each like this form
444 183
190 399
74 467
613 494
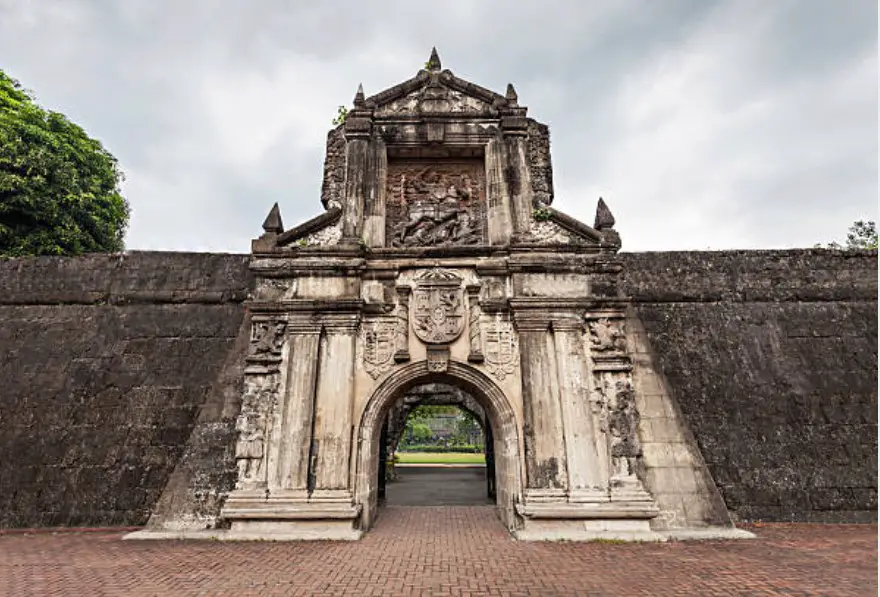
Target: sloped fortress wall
108 363
105 362
771 357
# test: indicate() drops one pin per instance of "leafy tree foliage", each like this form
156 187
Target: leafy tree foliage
862 235
59 188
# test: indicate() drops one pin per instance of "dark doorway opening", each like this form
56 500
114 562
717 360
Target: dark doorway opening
436 449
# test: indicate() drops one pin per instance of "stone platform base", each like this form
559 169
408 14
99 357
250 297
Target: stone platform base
272 531
549 520
706 534
587 530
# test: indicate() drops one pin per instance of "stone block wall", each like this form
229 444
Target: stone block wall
105 362
771 357
119 369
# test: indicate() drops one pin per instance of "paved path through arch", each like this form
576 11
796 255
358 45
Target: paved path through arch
444 551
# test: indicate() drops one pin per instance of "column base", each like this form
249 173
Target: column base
292 515
587 515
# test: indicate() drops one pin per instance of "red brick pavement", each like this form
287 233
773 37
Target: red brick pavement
444 551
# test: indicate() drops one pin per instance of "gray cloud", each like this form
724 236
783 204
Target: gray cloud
739 124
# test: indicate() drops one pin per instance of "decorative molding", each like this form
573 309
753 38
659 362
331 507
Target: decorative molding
437 359
401 355
475 354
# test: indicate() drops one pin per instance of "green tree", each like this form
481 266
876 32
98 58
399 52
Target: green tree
862 235
419 432
59 188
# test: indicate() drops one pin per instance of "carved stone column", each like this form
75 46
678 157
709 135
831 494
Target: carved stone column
292 428
357 135
475 353
614 404
374 193
331 444
261 385
546 474
401 355
497 201
518 180
586 478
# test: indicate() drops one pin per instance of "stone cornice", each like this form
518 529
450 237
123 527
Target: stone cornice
272 267
312 305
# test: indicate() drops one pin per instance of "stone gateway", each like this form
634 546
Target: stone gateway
439 260
632 396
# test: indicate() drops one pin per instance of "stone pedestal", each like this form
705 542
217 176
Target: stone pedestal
292 515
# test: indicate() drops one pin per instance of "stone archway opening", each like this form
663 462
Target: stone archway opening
467 383
436 449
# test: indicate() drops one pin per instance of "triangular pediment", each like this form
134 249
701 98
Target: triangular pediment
552 227
435 92
322 230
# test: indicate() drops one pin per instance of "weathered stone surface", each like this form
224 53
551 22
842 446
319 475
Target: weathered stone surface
106 361
772 358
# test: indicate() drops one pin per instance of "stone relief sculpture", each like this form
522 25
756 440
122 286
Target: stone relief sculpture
267 338
379 341
501 350
260 390
607 336
623 424
438 311
435 205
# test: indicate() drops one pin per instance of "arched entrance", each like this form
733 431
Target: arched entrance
501 418
460 426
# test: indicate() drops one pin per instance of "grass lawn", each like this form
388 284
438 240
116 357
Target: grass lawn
440 458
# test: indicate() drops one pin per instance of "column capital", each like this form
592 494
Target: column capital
340 323
303 324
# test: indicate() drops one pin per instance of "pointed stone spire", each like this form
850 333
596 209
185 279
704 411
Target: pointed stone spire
273 223
359 96
604 219
433 63
511 96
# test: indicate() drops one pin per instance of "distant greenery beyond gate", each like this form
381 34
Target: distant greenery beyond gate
442 458
441 429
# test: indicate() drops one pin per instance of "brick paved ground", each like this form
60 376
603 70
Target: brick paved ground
444 551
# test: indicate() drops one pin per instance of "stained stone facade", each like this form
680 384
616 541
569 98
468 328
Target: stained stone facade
439 260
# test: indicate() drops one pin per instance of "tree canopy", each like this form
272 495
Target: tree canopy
862 235
59 188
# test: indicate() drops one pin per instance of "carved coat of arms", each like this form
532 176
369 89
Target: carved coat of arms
379 342
438 307
500 348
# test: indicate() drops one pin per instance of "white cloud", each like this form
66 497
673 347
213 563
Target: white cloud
703 124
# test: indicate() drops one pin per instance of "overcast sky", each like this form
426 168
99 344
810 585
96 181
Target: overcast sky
729 124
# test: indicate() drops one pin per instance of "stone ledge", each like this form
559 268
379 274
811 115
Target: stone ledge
587 511
708 533
327 533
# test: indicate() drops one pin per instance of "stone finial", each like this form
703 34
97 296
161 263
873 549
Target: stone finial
433 63
273 221
359 97
604 219
511 96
